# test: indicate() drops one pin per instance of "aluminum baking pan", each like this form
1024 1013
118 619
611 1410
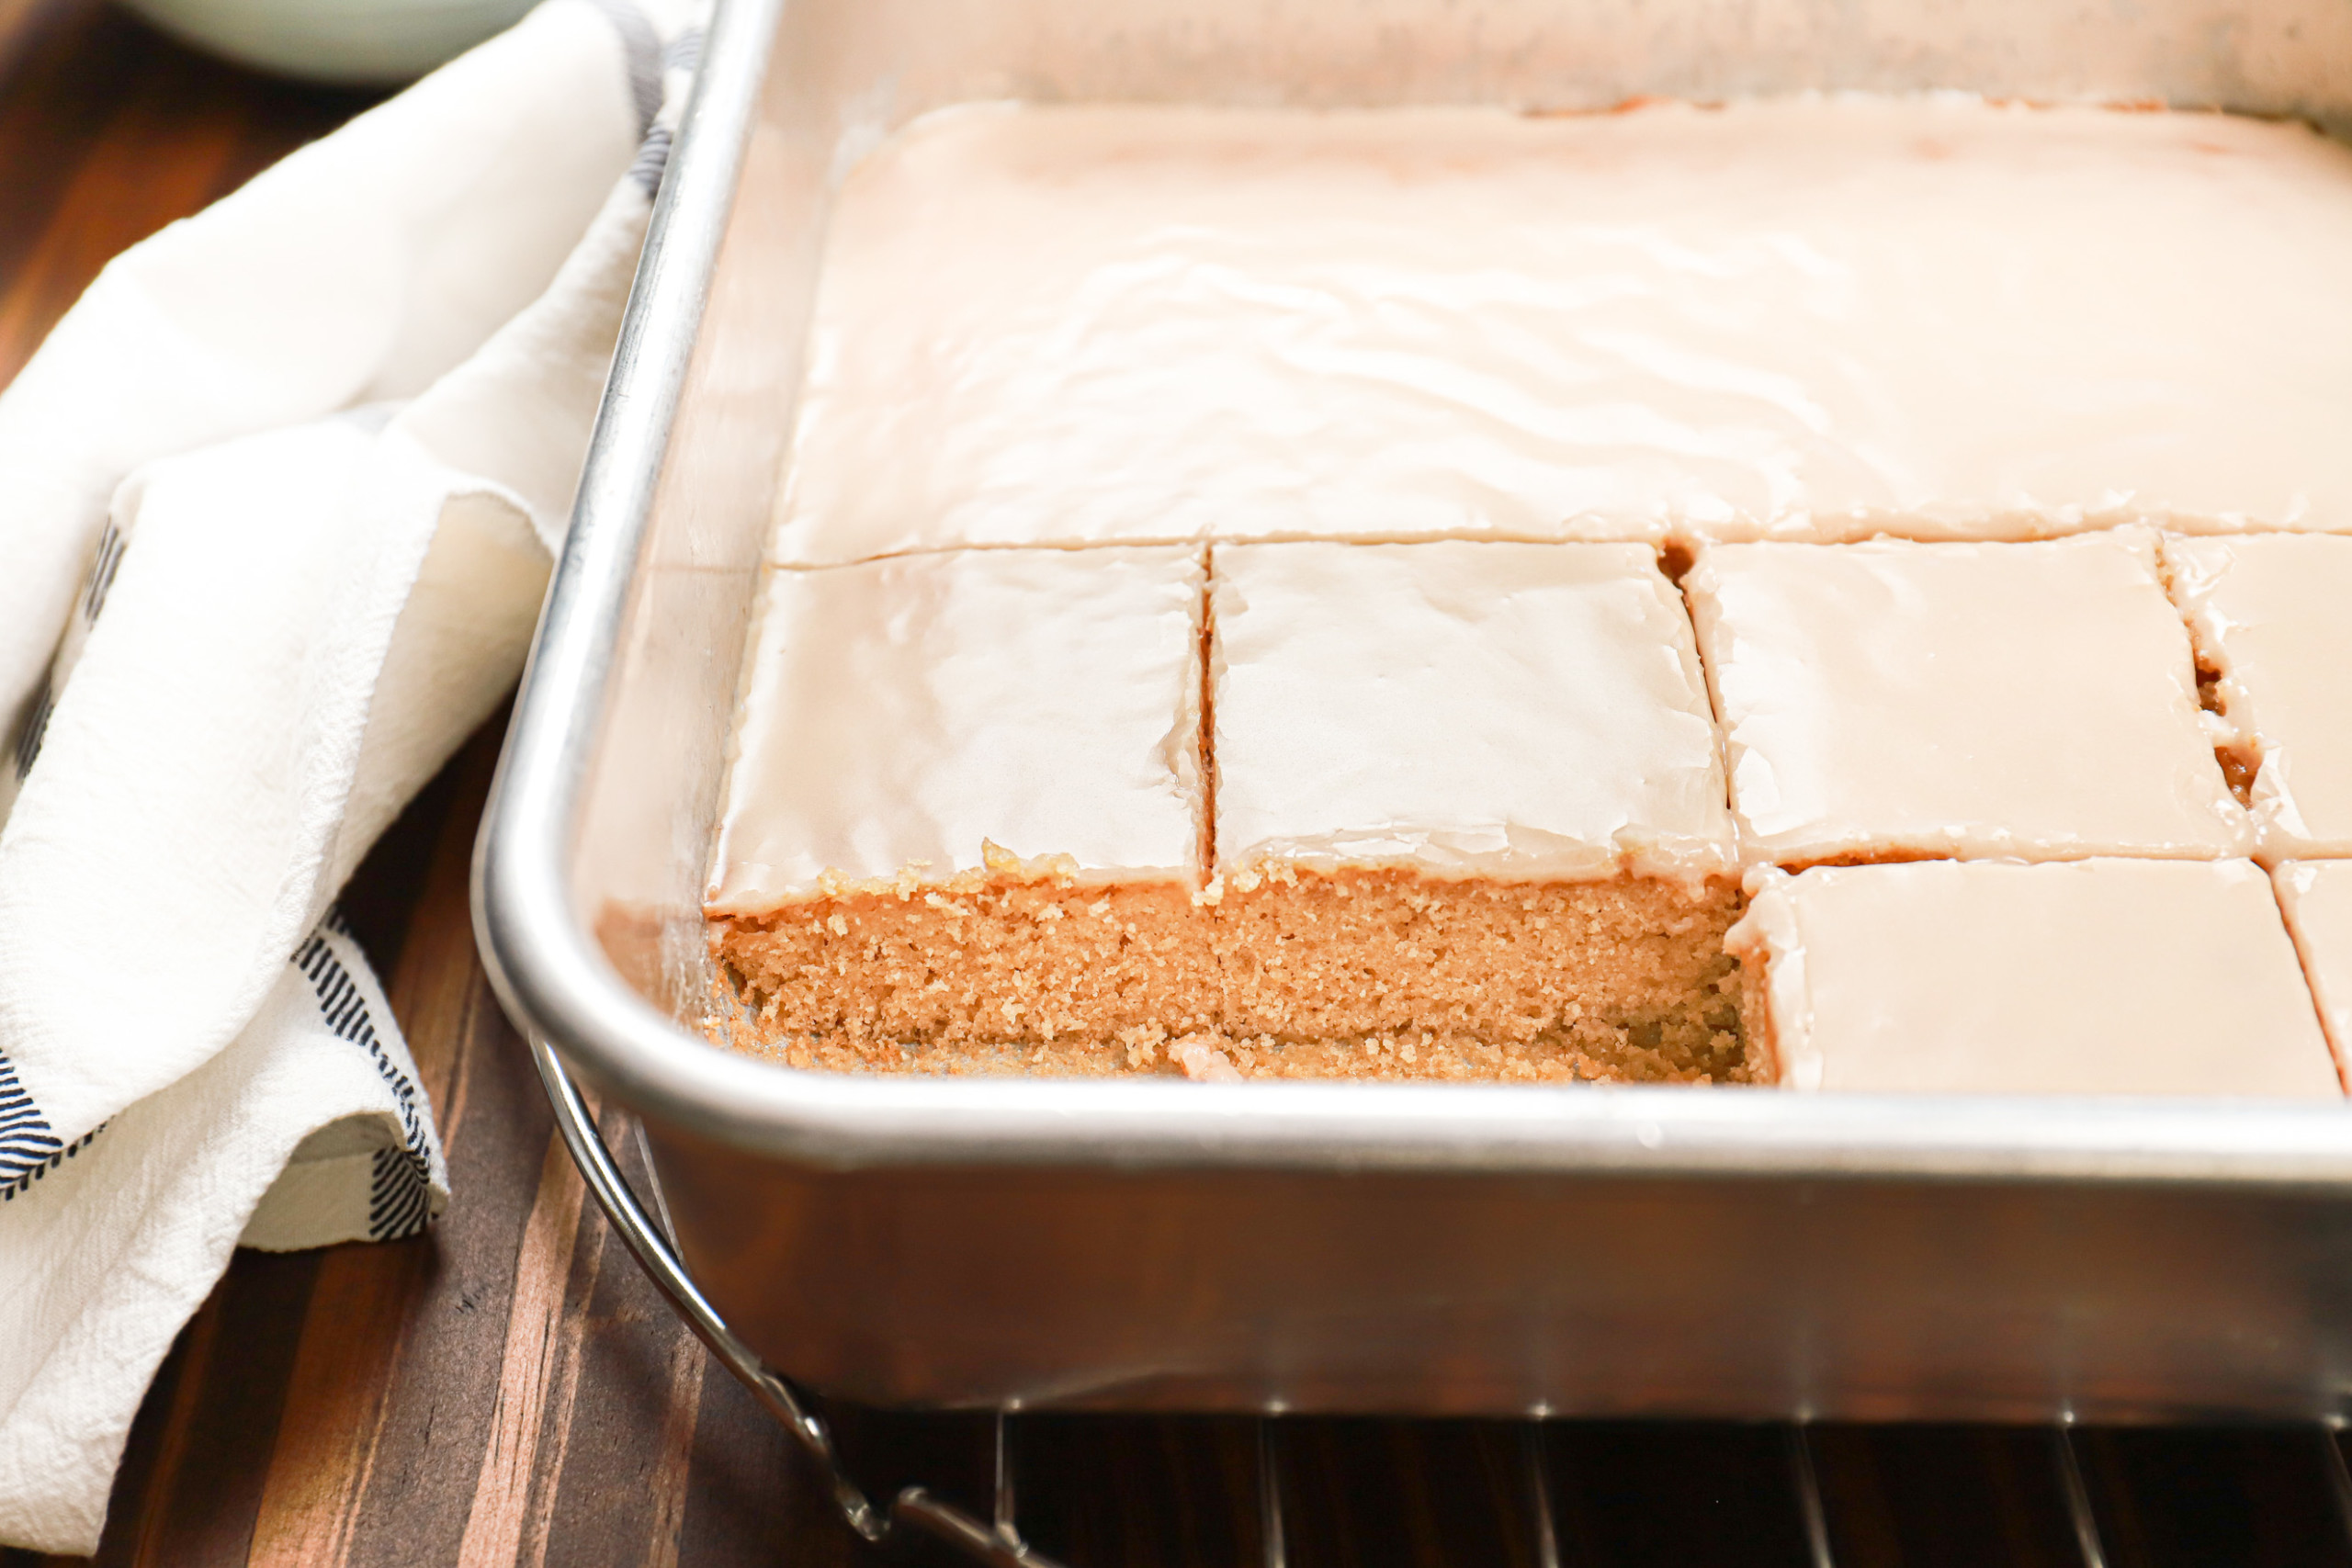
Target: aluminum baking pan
1158 1243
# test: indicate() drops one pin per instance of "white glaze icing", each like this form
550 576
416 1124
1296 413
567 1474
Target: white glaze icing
2032 700
2317 898
900 713
1801 318
2119 976
1501 710
2273 612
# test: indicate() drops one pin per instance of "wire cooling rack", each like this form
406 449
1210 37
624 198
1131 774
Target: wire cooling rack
1094 1491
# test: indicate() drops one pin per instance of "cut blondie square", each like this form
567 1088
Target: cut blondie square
1470 816
2269 614
2093 976
2317 898
964 825
1894 700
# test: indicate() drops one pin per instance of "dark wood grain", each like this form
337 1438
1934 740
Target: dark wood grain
108 131
509 1390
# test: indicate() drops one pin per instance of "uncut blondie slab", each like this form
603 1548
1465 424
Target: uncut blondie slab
1804 319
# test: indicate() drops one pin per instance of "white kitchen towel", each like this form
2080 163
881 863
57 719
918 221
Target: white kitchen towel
282 493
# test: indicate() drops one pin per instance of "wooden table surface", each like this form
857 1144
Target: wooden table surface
508 1389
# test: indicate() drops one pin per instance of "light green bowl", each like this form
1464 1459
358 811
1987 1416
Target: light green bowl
354 42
